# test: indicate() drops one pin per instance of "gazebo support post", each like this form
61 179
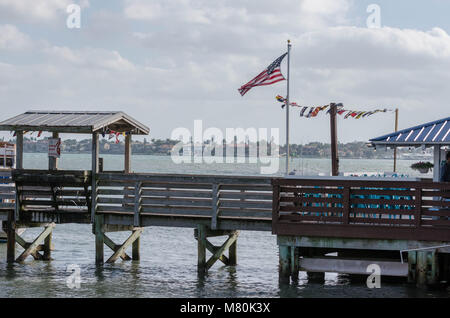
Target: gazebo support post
19 149
437 155
53 161
127 169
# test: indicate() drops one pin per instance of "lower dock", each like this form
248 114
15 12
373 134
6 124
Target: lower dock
341 225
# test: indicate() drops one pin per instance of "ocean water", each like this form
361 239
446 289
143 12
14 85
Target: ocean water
168 255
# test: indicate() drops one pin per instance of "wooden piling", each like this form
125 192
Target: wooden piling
11 236
284 263
135 254
421 269
294 263
99 239
201 248
47 247
232 254
412 264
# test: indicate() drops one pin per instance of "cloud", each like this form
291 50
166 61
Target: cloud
12 39
387 48
184 60
34 10
254 14
90 58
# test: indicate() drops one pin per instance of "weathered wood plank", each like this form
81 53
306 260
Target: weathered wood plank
215 205
114 247
185 178
177 201
39 240
231 239
245 204
181 210
246 195
245 213
136 233
176 193
137 203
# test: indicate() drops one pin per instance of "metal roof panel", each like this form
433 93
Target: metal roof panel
435 132
72 121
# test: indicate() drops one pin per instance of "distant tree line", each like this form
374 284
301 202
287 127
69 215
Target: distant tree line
163 147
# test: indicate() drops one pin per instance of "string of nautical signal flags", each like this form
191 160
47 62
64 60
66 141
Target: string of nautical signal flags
313 111
111 134
39 133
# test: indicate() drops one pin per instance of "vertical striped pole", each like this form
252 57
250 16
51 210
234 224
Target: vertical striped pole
395 148
287 107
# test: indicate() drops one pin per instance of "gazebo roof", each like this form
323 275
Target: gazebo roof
83 122
430 134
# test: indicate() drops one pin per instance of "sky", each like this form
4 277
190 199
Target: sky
170 62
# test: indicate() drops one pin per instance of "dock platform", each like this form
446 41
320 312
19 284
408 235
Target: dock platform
322 225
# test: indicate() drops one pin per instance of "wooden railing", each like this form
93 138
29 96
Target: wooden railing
49 195
352 208
7 194
199 196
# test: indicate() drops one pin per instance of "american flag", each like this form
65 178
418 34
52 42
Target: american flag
269 76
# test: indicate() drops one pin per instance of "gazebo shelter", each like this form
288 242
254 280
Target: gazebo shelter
434 134
75 122
50 204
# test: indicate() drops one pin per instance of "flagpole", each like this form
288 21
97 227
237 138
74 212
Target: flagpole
287 106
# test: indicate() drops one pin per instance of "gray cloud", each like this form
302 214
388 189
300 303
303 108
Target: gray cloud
170 62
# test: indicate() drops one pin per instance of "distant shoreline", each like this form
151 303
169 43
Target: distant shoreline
160 147
430 158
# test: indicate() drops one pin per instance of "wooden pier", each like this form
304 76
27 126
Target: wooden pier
212 205
403 226
332 224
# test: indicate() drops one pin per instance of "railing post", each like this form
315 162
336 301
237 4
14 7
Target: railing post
215 205
18 203
137 203
418 206
346 205
275 205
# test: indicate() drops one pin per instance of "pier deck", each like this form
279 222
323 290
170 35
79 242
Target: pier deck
403 225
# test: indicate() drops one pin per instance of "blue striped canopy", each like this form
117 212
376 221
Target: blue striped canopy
429 134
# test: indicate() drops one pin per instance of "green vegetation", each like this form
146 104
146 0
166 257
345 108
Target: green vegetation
163 147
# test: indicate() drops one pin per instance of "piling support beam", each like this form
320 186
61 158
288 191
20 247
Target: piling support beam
412 264
294 263
201 234
11 236
232 254
32 248
219 252
135 254
99 239
433 268
114 247
421 269
201 248
47 247
284 263
135 234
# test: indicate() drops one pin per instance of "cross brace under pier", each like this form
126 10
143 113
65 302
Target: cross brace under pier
201 234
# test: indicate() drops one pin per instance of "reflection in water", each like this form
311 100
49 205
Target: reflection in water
174 274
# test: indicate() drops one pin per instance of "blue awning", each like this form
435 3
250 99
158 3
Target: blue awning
429 134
